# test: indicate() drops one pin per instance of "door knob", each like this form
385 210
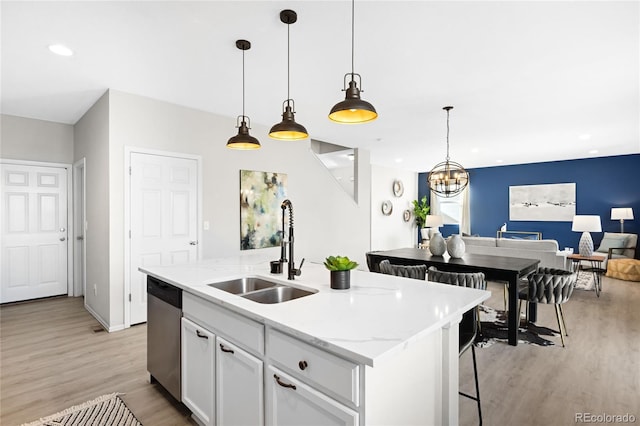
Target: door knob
62 238
62 229
193 243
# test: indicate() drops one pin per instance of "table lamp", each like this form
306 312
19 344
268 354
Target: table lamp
433 221
621 213
586 224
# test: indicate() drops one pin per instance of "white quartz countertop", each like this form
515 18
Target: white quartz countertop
379 314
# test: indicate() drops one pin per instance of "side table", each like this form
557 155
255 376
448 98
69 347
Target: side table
595 269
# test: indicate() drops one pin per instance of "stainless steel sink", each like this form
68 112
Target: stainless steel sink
243 285
277 294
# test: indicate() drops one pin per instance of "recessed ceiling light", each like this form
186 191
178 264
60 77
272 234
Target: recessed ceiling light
593 151
398 160
475 150
584 137
60 49
499 161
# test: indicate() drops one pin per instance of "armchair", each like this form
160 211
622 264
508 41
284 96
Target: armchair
617 246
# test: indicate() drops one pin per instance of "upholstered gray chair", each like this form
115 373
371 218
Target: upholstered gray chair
470 323
552 286
418 272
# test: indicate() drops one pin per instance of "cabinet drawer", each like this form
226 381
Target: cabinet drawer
333 375
245 332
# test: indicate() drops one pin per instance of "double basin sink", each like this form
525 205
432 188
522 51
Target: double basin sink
261 290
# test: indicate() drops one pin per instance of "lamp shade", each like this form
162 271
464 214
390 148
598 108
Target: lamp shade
586 223
618 213
433 221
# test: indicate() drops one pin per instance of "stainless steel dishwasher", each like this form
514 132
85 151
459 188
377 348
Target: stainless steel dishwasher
164 312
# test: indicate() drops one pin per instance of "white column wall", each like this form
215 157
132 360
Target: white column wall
391 232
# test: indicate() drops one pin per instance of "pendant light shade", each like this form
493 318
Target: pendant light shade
243 140
288 129
353 109
448 178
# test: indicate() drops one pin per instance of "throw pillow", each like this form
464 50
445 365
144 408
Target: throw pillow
612 241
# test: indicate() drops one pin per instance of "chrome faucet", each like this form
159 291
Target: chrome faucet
291 270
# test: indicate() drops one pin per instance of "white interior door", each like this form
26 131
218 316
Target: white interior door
34 232
163 218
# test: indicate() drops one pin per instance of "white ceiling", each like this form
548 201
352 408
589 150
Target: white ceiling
530 81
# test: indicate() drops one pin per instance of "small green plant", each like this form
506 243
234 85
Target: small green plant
339 263
420 211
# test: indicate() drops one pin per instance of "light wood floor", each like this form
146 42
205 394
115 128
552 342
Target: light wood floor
51 358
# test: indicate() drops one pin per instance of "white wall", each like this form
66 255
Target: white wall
327 221
91 134
391 232
35 140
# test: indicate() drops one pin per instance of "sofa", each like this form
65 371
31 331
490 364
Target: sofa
544 250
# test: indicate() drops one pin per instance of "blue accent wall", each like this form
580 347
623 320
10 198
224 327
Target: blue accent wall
601 183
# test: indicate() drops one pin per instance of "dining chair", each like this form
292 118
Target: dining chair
470 323
418 272
552 286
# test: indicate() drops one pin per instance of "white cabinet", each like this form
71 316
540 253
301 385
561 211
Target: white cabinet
307 385
292 403
222 382
198 371
239 386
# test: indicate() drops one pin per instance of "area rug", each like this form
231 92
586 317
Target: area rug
494 329
106 410
585 281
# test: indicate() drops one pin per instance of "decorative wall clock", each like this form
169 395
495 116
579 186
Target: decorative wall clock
398 188
387 207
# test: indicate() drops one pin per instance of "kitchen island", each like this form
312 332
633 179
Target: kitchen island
384 351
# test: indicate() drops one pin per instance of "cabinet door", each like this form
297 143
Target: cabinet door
198 371
239 386
290 402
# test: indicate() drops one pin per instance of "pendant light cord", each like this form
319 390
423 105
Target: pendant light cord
447 136
243 116
353 21
288 64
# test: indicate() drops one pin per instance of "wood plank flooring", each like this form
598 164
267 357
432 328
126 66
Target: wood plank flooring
51 358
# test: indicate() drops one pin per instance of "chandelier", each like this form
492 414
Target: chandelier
448 178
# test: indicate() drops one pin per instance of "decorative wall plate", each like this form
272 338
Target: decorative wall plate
387 207
398 188
406 215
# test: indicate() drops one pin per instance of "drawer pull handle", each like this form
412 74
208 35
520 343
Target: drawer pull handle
200 335
223 349
283 384
302 365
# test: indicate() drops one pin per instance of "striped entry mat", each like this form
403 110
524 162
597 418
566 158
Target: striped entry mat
106 410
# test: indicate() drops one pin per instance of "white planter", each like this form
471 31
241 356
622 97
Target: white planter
424 233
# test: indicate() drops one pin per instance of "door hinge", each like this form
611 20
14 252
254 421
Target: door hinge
129 297
129 170
129 233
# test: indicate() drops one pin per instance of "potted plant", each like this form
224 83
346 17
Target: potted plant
420 211
340 267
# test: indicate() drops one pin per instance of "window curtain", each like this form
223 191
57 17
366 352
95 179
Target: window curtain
464 199
465 225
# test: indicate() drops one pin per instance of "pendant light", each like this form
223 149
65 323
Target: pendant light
448 178
353 109
288 129
243 140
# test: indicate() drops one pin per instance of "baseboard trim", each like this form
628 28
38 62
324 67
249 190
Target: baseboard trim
101 320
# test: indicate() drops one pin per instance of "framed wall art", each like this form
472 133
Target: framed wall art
261 194
543 203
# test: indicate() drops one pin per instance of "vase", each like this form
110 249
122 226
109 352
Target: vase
455 246
437 246
340 280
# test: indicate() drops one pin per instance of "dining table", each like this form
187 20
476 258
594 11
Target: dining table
495 268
